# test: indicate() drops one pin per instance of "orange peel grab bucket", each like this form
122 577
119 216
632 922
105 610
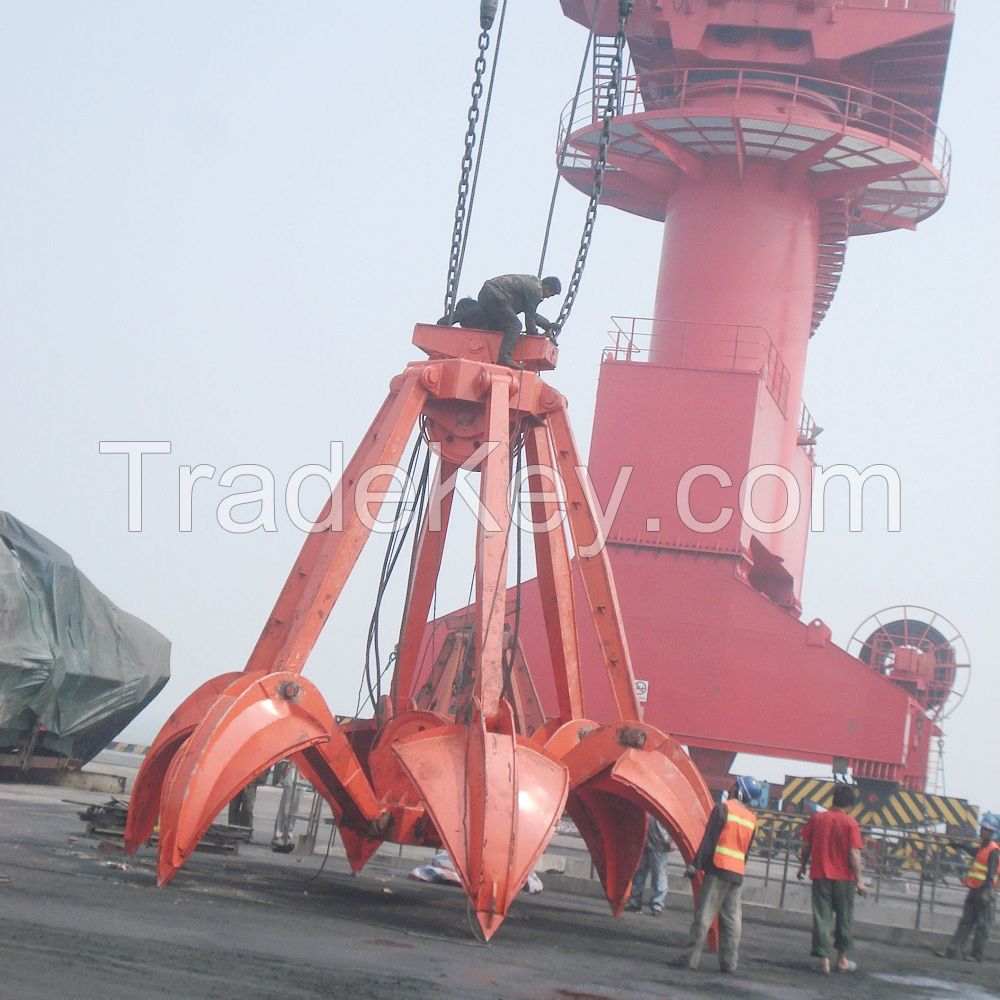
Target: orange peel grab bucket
459 762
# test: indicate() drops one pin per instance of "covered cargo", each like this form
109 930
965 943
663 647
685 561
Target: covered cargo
74 668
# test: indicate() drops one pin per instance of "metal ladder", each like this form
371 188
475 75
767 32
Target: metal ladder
603 59
834 229
300 791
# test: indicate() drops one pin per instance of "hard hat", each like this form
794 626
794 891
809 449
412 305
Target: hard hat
554 283
748 787
989 823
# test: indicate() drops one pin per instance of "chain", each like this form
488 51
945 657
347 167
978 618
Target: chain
458 231
565 145
600 165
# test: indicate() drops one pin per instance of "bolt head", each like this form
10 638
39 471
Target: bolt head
290 690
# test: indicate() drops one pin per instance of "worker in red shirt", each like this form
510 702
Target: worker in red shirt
977 911
831 852
722 856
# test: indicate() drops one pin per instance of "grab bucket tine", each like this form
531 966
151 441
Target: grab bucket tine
144 802
614 831
259 720
666 794
494 800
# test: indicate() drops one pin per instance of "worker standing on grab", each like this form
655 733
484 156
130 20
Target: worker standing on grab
722 856
977 911
503 298
831 852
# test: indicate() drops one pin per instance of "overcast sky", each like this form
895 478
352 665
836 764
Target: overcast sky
219 223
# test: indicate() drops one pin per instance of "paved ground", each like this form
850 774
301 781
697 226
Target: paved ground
91 925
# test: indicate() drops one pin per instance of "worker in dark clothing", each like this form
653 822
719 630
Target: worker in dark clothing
241 807
652 867
722 857
503 298
977 911
468 314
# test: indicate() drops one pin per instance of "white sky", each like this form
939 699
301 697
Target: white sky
220 222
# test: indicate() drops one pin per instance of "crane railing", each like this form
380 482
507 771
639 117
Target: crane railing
917 6
842 105
809 430
701 346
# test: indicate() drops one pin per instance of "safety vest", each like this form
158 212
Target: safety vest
734 839
980 866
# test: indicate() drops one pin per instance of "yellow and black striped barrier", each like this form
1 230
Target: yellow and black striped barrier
893 809
139 748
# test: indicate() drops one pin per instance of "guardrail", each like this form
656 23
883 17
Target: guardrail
914 879
917 6
702 346
809 430
843 105
923 870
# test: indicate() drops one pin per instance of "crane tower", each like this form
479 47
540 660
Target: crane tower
764 134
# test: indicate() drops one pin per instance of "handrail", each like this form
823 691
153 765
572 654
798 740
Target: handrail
844 105
809 430
918 6
702 346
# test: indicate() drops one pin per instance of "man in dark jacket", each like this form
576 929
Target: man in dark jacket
982 878
652 867
503 298
467 314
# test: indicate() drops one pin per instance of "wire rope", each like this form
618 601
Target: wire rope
600 166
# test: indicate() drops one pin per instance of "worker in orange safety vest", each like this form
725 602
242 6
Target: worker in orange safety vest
977 911
722 856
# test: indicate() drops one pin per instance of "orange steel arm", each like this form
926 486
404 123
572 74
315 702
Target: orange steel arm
423 581
329 555
555 578
595 568
491 554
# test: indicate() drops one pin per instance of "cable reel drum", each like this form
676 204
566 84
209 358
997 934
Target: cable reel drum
920 651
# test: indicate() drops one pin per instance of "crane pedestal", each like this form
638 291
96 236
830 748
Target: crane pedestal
764 135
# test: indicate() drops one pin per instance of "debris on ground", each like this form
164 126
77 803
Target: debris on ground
107 823
442 870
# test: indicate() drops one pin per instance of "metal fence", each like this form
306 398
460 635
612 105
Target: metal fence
916 874
703 346
917 6
841 106
914 879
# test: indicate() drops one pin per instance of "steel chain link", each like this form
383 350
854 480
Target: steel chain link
458 231
600 165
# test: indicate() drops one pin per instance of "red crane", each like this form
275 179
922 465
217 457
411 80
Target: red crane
764 133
